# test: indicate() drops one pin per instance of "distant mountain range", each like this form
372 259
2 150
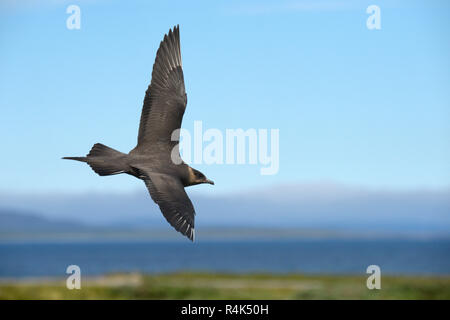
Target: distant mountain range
13 221
308 207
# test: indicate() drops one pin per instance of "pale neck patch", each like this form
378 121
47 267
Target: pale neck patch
192 178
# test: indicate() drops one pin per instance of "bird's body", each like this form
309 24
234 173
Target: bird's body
156 159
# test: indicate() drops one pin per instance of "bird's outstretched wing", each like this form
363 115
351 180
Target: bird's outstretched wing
165 99
168 192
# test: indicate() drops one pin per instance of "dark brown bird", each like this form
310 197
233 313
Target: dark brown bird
156 159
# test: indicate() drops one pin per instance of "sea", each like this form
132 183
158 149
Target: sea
308 256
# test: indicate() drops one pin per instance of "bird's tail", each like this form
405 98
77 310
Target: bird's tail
82 159
104 160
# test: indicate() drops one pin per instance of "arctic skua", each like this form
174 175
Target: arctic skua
156 159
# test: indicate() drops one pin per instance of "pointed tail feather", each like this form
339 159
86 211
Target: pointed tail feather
82 159
104 160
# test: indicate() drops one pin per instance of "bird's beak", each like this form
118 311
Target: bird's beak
209 181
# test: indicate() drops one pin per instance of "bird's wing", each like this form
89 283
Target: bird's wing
165 99
168 192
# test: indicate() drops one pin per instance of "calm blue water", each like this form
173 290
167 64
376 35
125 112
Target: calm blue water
308 256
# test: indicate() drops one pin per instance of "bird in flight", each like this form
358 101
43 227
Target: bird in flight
156 159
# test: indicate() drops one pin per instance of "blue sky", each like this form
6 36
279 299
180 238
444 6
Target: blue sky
354 106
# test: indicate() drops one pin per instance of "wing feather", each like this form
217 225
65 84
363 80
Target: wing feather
168 192
165 99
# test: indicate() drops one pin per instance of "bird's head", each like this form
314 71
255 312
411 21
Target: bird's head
196 177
